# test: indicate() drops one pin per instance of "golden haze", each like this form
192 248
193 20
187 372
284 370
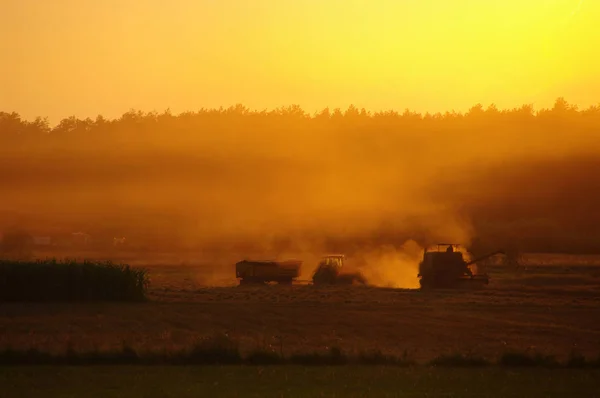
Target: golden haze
84 57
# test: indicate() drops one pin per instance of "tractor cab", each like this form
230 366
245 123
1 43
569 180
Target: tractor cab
334 261
329 269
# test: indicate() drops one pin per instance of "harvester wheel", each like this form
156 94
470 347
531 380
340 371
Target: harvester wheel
424 284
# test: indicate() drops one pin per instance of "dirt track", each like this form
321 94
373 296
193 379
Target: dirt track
551 313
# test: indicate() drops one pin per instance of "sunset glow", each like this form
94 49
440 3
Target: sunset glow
84 57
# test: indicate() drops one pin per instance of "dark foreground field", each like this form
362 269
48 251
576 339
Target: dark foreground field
291 381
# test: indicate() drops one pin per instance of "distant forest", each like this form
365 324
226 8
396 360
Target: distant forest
145 128
337 179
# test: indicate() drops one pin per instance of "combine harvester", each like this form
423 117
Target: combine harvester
447 268
261 272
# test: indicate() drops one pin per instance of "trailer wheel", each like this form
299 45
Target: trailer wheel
251 281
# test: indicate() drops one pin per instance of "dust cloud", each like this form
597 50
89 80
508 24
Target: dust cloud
388 266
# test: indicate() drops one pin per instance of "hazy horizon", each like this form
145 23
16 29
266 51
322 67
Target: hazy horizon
221 178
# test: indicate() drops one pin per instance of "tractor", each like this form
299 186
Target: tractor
446 268
329 272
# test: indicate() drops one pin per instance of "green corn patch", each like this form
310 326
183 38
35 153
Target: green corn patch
69 280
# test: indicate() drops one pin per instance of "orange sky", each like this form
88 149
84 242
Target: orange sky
85 57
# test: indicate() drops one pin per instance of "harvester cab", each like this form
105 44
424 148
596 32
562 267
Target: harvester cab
446 267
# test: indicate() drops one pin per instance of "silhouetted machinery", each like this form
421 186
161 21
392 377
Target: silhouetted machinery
329 272
261 272
446 268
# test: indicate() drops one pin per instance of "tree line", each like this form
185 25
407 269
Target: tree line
147 127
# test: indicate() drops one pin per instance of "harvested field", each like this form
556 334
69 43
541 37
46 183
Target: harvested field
551 309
